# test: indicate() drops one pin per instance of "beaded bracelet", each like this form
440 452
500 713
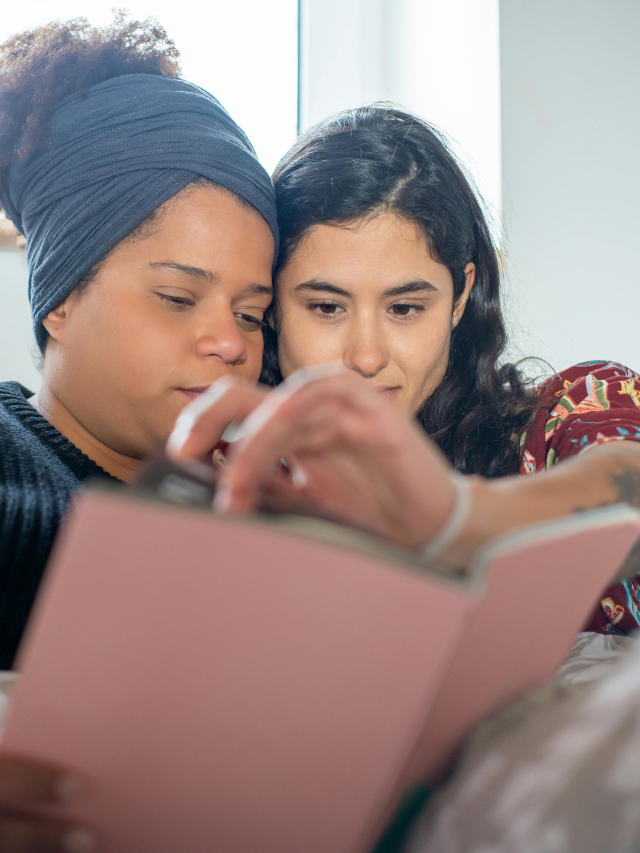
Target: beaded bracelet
454 524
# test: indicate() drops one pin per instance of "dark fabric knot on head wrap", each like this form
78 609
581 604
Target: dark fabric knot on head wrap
112 157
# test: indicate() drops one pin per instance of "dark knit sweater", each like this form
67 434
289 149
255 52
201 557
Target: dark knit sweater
39 471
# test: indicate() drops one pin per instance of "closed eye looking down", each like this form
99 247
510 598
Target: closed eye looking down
248 322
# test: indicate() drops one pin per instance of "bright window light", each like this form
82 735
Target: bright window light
244 52
439 59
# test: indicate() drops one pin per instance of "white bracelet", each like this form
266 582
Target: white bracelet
454 524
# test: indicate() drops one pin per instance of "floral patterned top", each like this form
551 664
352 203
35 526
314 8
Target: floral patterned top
586 405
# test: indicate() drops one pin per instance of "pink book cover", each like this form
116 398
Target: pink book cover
542 583
228 686
225 686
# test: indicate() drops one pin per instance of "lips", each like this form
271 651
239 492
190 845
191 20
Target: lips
194 392
388 390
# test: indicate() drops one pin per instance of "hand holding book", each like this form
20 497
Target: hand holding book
354 457
357 459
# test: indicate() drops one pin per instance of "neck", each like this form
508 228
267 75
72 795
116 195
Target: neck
114 463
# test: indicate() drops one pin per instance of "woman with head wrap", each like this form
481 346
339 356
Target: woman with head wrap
151 232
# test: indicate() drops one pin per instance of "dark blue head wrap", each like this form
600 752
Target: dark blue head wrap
111 158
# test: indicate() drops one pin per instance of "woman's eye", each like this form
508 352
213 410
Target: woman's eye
326 309
176 303
248 322
401 309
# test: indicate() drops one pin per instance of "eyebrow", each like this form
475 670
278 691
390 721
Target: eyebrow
417 286
316 285
206 275
194 272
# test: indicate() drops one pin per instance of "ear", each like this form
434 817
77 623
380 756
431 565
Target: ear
461 301
56 320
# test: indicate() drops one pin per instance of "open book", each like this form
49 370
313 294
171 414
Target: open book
274 685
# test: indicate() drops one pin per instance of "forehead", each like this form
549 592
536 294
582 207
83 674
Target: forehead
375 250
199 211
207 227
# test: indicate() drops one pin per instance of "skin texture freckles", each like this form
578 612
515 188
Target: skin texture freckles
368 293
167 315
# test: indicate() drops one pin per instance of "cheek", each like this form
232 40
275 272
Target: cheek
423 356
422 347
303 341
122 338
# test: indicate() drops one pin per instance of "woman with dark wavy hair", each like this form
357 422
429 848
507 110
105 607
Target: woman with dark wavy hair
374 163
387 268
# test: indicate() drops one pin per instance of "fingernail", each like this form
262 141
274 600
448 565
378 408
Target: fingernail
180 434
69 787
298 477
79 841
232 433
221 499
191 412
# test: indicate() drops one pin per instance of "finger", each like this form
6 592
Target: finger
297 421
33 835
31 783
272 401
285 497
253 463
282 496
319 416
294 408
201 424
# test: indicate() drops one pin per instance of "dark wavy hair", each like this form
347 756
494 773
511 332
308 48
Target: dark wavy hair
379 159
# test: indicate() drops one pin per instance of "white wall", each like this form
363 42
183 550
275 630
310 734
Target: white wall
436 58
341 56
570 147
16 338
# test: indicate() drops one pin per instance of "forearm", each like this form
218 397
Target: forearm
604 475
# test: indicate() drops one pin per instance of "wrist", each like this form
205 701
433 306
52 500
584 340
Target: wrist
449 531
480 503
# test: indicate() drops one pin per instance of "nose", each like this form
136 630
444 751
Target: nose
366 352
222 339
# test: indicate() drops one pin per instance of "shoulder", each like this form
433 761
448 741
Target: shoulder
25 457
33 450
15 408
590 379
13 391
584 405
13 403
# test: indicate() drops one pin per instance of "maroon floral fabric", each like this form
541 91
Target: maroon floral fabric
586 405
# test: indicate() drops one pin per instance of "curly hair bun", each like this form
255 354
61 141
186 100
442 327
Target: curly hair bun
40 67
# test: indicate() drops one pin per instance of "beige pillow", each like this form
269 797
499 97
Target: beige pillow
556 772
